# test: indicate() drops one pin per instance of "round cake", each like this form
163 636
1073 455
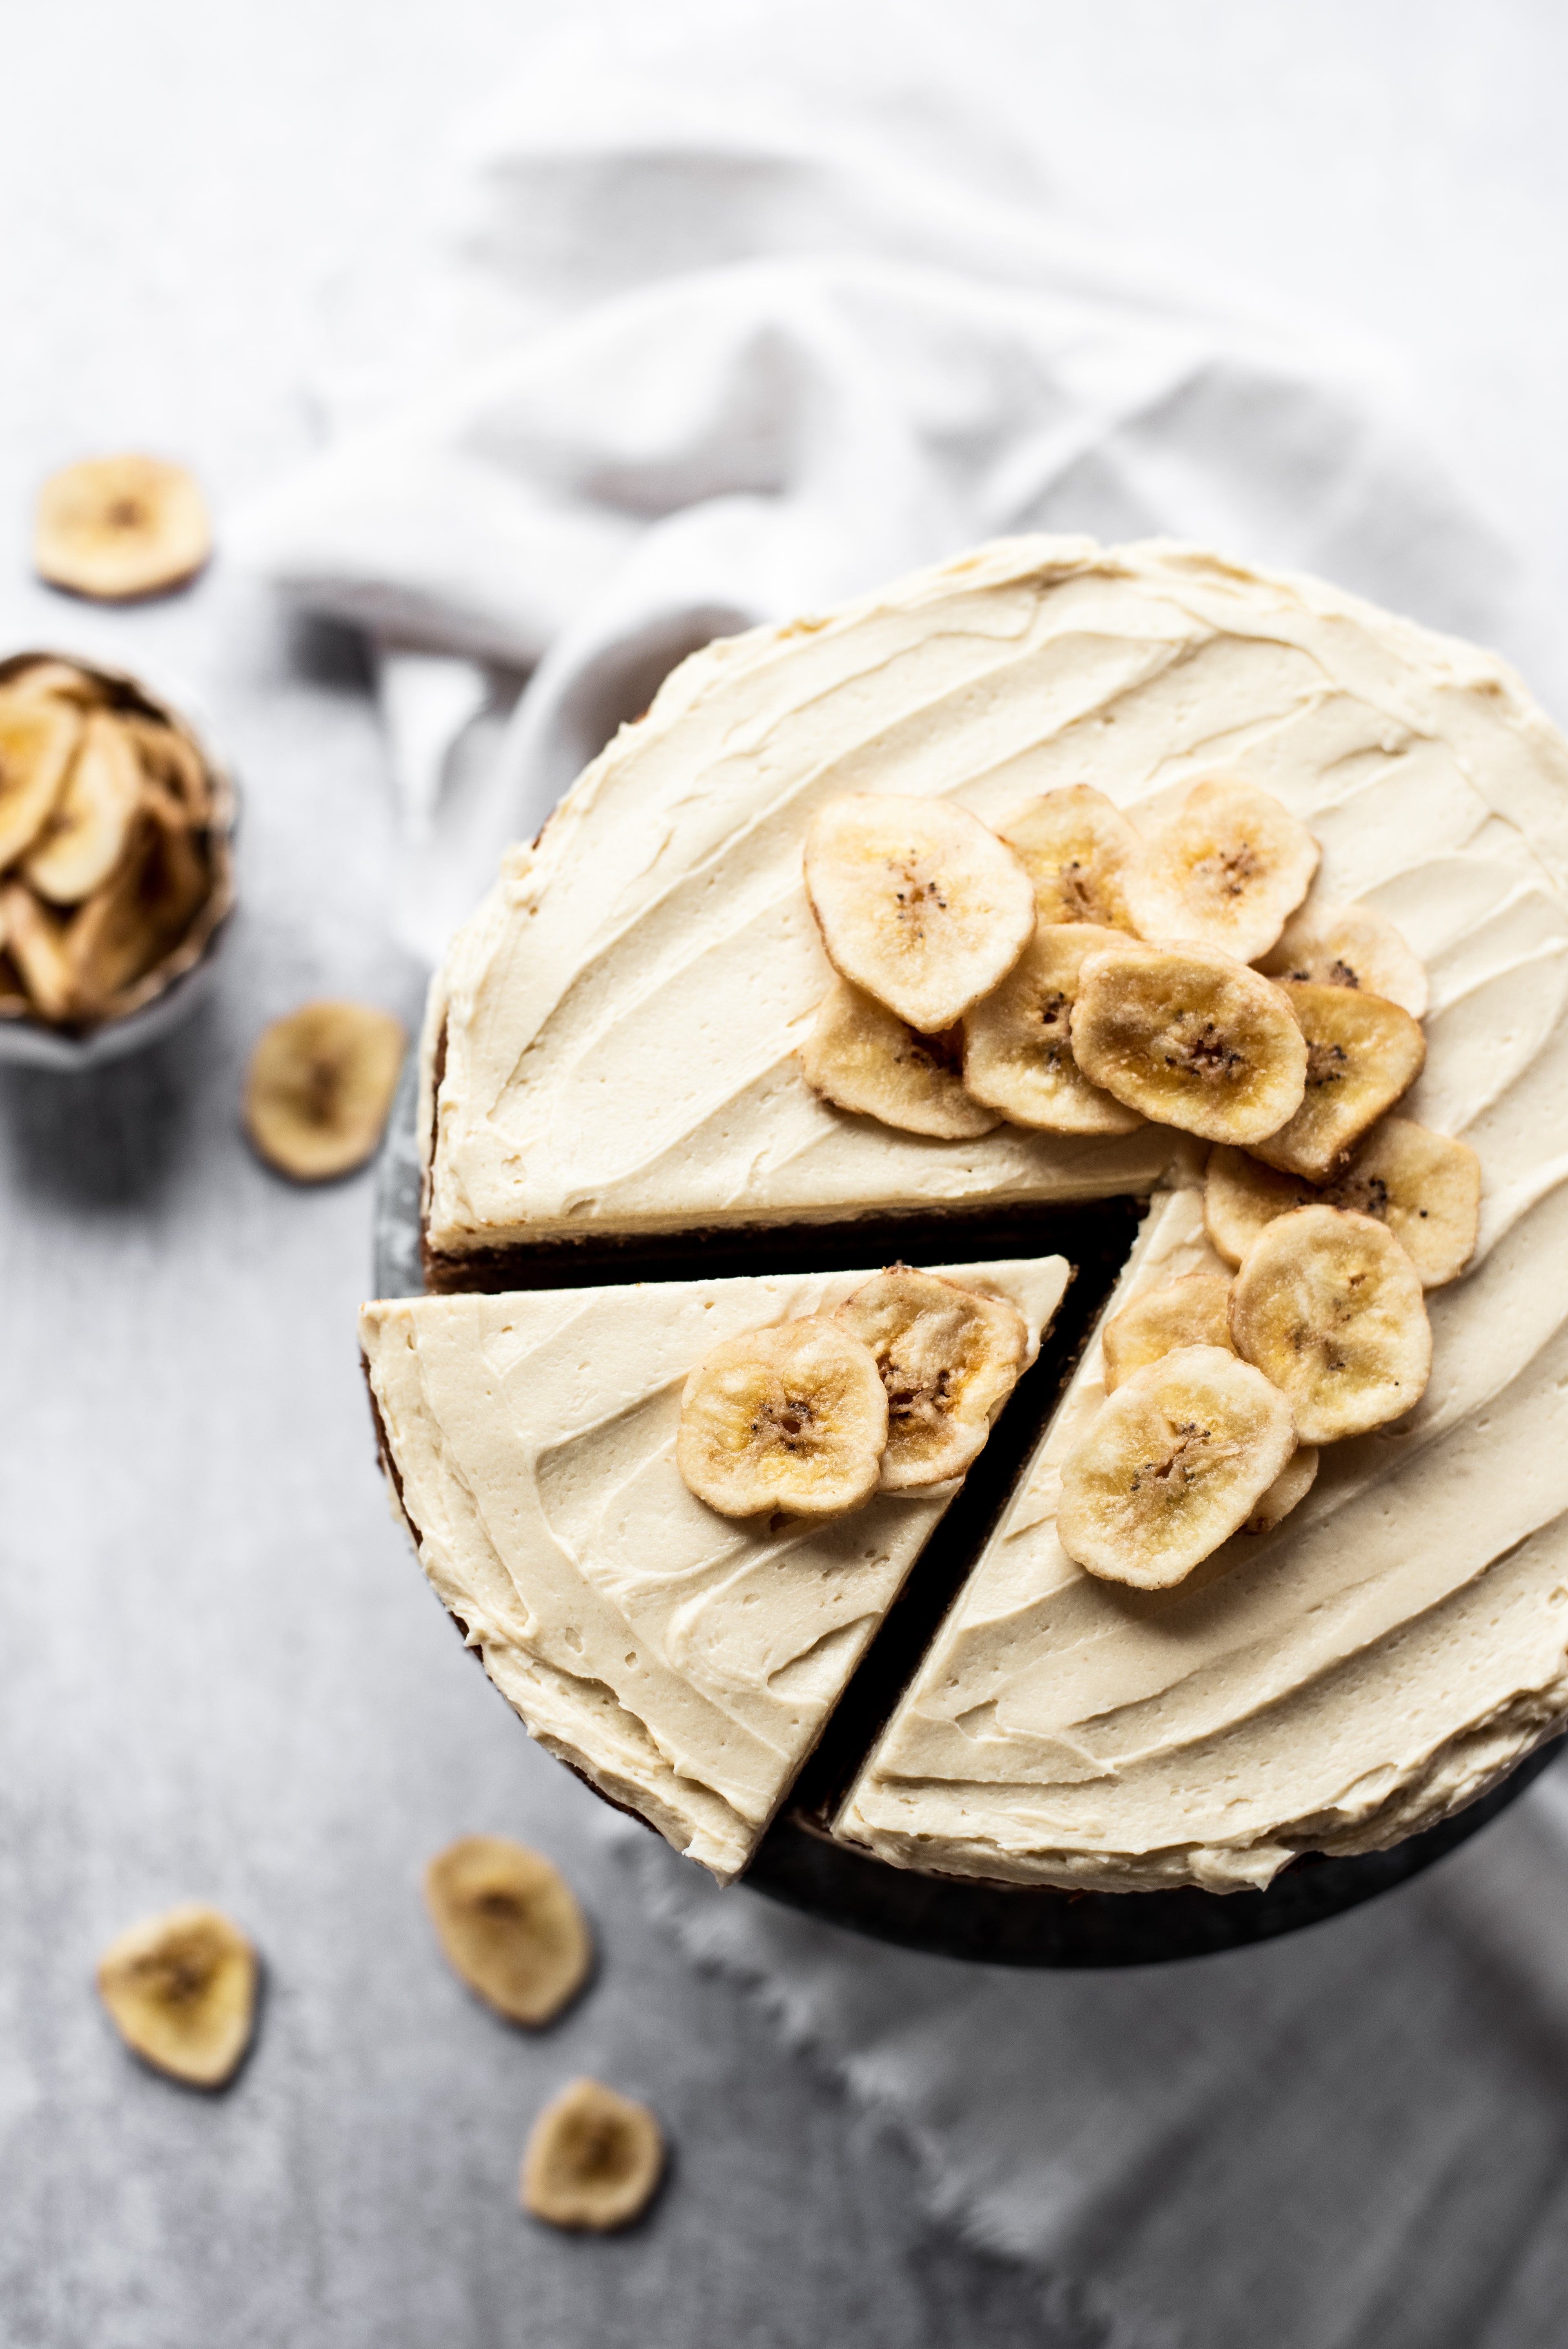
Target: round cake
686 1079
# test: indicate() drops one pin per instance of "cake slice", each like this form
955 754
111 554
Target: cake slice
683 1662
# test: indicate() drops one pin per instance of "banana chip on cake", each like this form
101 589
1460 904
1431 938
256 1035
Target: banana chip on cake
863 1057
1425 1187
948 1356
1363 1054
1225 871
917 902
791 1417
1172 1464
1349 946
1077 848
1192 1311
1328 1306
1018 1052
1191 1040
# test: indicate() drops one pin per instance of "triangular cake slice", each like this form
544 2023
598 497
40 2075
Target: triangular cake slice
684 1664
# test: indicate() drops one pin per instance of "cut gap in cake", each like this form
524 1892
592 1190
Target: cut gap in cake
683 1662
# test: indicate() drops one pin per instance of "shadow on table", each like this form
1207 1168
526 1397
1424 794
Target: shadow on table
113 1136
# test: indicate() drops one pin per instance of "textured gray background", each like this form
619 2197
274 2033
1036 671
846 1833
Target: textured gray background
220 1672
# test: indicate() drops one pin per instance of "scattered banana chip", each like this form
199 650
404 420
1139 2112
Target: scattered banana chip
790 1417
1425 1187
1328 1306
1362 1054
509 1923
1294 1483
1192 1311
1017 1040
320 1086
1171 1464
593 2159
861 1057
1191 1040
182 1991
1225 871
38 739
948 1356
917 902
117 527
84 839
1349 946
1076 846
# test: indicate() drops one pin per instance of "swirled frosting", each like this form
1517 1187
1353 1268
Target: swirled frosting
682 1661
620 1019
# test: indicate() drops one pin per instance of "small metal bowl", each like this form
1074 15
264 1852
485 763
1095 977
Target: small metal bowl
169 992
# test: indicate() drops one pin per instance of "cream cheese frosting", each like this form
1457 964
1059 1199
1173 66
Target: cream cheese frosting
682 1661
616 1030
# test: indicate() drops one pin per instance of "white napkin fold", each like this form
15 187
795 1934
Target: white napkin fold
756 326
836 336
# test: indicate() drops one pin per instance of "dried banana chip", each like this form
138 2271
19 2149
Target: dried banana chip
320 1086
593 2159
1294 1483
863 1058
182 1991
791 1417
1349 946
38 739
172 762
117 527
1425 1187
140 913
47 680
1171 1464
84 839
1191 1040
1329 1306
509 1923
1076 846
39 947
1017 1042
917 902
1192 1311
948 1356
1225 871
1362 1054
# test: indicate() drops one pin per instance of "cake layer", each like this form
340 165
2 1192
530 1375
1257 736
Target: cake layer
683 1662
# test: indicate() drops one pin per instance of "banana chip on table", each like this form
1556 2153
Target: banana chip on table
1076 848
38 739
861 1057
85 837
593 2159
1349 946
1192 1311
182 1991
1328 1306
1362 1054
1190 1039
948 1358
320 1086
113 528
509 1926
1017 1040
1225 871
918 904
1171 1464
794 1416
1425 1187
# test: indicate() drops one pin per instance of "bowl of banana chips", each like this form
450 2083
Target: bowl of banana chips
116 860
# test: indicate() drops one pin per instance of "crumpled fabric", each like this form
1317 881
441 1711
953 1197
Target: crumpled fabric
739 321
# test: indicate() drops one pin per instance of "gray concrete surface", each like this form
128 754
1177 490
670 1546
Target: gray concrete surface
220 1671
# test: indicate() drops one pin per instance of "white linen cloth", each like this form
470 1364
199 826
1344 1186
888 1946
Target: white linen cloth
752 323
